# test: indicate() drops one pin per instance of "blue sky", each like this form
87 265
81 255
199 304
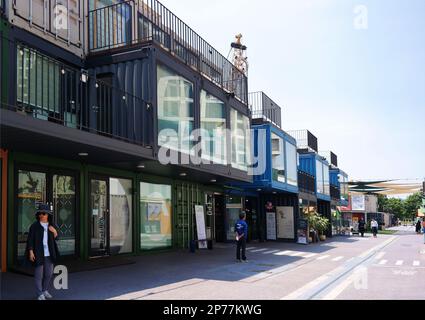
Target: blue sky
361 92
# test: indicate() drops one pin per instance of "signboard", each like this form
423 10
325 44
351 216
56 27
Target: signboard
271 225
200 227
302 231
285 222
358 203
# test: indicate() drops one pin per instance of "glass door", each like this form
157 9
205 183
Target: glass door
99 217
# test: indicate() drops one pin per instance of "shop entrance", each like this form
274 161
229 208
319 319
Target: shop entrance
99 217
53 187
110 207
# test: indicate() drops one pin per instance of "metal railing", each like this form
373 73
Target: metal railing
51 91
305 140
306 182
144 21
331 157
262 107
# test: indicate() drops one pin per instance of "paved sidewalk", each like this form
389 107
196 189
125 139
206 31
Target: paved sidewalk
204 274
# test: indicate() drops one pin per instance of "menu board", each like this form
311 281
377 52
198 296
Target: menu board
302 231
271 225
200 227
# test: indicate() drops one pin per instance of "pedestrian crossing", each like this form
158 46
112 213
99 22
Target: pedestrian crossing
378 258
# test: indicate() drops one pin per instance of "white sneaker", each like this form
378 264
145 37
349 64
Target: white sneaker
41 297
47 295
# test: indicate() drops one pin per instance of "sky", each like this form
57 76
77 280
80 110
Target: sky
352 72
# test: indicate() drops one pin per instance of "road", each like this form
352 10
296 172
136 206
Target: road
347 268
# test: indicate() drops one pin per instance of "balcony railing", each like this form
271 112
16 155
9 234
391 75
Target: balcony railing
305 140
335 193
331 157
306 182
51 91
262 107
143 21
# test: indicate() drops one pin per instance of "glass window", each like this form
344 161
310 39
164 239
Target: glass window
175 111
31 191
233 209
319 177
213 125
155 210
291 162
64 209
278 158
326 182
121 213
241 140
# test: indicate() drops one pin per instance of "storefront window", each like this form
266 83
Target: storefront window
175 111
31 191
213 125
291 162
319 177
155 210
278 158
233 209
121 213
64 205
241 140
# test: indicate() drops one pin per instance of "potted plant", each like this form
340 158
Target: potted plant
322 226
313 224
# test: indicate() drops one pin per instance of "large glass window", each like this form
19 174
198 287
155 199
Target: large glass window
121 213
343 180
291 162
31 191
326 181
64 207
278 158
241 140
155 210
175 111
319 177
213 125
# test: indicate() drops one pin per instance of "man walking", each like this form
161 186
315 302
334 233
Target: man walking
241 231
375 227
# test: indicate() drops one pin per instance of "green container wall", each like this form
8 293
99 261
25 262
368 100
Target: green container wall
184 197
4 55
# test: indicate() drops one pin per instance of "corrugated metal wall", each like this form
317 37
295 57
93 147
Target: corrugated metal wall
308 164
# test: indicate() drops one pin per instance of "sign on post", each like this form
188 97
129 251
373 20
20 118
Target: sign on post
271 225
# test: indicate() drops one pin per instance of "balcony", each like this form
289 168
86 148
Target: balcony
335 193
306 141
54 92
306 182
142 22
264 109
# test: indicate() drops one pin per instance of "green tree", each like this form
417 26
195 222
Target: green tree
395 206
411 205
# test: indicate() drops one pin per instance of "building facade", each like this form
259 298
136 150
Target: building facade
87 112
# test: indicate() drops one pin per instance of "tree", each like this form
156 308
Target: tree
395 206
411 205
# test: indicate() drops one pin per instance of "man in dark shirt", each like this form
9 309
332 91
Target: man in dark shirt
241 231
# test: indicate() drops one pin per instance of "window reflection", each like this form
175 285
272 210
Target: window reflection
213 125
155 210
319 177
278 159
241 140
175 111
291 160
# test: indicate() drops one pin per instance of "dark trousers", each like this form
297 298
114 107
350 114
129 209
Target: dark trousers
43 276
241 244
375 231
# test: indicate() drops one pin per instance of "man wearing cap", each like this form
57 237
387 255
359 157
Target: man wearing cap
43 250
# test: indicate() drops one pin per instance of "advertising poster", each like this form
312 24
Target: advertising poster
358 203
271 225
285 222
200 227
302 231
